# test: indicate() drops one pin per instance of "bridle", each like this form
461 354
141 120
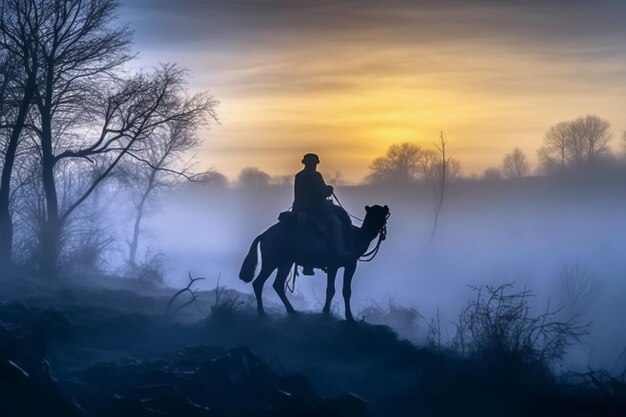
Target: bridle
382 235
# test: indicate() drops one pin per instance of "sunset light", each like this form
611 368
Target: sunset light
348 79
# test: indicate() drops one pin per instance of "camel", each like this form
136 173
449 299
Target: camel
282 245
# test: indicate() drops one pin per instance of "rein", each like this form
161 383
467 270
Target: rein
382 235
341 205
290 283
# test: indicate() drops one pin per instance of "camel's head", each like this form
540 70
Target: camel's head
377 216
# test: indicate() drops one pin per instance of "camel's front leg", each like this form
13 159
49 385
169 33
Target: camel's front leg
330 288
279 286
348 273
258 288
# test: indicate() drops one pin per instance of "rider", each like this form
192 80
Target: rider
311 196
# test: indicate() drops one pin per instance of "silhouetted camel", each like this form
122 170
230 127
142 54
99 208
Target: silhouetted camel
282 245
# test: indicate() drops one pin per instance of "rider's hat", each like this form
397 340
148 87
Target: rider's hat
310 158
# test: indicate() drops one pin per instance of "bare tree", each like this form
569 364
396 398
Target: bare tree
492 174
337 179
579 289
553 153
89 113
252 177
581 142
452 171
27 206
440 173
282 180
141 109
19 43
590 136
212 178
514 164
165 161
78 51
403 163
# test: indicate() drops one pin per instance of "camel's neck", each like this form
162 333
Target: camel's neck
367 232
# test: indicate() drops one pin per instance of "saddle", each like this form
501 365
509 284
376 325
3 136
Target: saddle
312 233
293 217
307 226
304 217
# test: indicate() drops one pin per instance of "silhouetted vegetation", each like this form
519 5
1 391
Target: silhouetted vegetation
86 113
253 177
93 157
579 143
108 351
515 164
499 326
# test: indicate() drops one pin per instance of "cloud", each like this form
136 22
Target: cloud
326 45
256 23
351 77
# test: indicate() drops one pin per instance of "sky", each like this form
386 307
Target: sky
346 79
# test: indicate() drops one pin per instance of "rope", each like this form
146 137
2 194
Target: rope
292 279
382 234
341 205
369 256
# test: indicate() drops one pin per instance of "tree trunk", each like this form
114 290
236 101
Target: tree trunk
134 244
52 227
6 223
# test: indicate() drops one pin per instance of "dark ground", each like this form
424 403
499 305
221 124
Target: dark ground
69 347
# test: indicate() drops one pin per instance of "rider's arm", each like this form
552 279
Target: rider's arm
324 189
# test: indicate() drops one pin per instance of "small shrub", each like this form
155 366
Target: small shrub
85 251
433 338
404 320
227 303
610 387
579 289
498 326
151 271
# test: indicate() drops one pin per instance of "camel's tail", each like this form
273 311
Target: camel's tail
250 262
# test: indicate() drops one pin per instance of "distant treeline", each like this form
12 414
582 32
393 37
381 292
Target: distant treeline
579 146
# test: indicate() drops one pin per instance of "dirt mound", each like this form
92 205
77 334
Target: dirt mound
112 352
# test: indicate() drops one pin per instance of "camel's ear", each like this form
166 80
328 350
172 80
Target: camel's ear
367 208
387 207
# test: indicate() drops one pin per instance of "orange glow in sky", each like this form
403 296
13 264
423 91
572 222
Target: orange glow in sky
348 91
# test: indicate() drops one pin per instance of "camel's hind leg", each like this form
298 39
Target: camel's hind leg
279 286
258 288
348 273
330 289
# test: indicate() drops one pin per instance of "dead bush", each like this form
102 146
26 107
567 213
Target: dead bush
498 325
404 320
579 289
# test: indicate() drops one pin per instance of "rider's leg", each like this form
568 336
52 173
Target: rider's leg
337 236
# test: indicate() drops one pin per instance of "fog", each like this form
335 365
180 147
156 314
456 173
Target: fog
529 231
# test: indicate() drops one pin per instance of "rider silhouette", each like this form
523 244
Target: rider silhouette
311 196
